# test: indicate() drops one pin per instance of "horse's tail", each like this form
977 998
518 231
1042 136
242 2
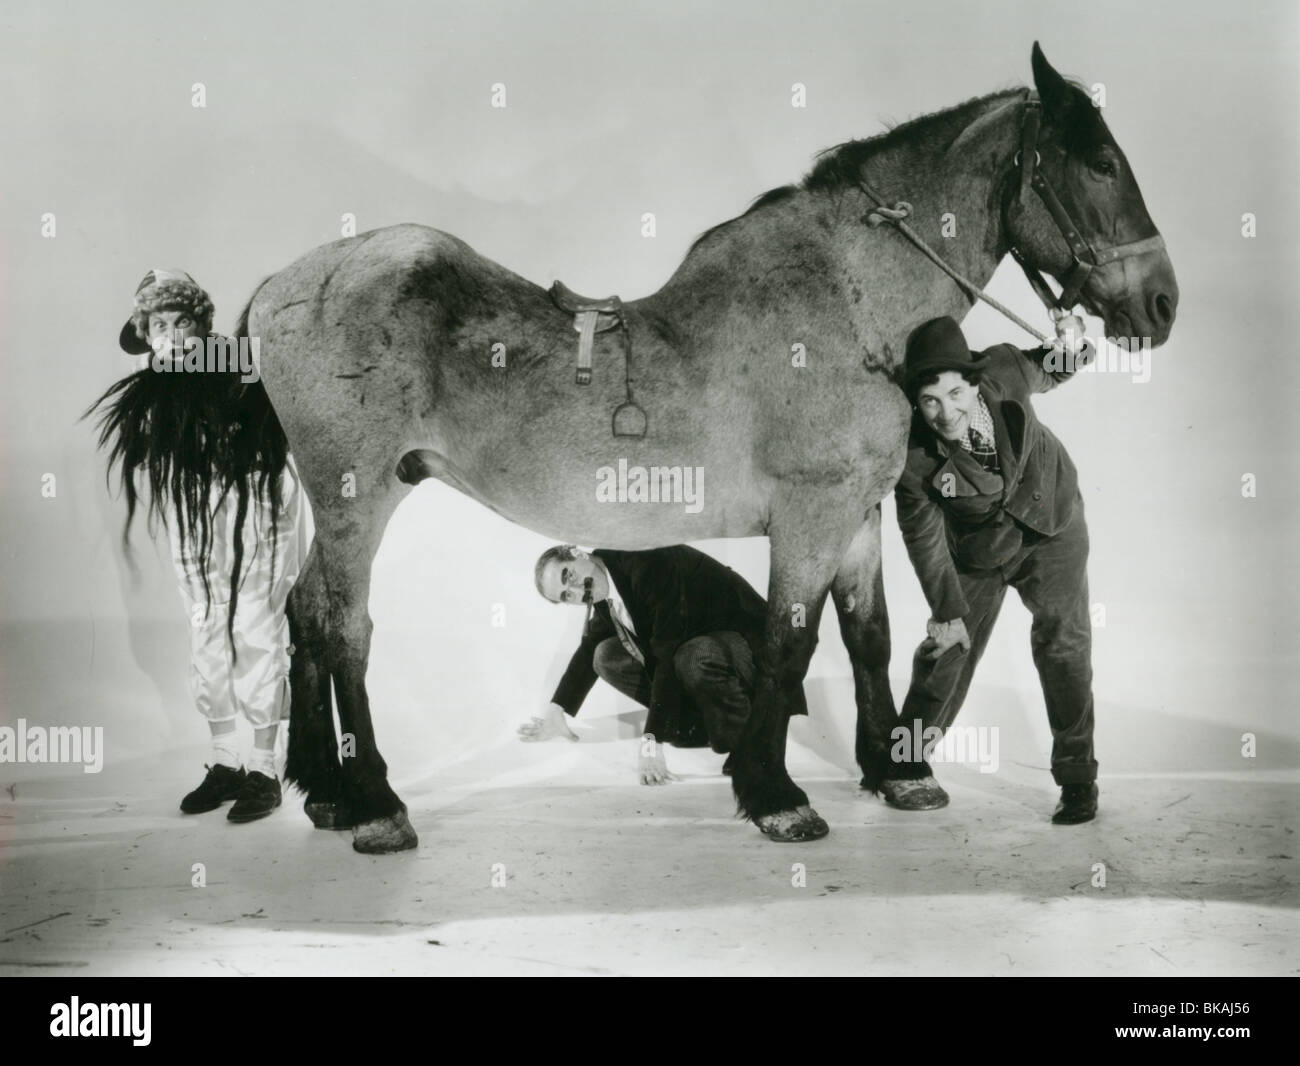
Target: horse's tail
269 444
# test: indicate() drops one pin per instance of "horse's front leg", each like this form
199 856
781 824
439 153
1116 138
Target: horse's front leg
808 540
859 594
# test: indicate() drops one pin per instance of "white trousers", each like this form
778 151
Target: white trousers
256 684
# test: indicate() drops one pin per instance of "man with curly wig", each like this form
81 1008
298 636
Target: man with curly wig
213 460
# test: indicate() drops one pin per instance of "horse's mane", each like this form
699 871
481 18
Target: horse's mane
841 165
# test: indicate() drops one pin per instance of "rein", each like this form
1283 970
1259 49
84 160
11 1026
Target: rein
1085 256
897 214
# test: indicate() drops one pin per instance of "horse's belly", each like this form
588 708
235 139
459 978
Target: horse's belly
613 502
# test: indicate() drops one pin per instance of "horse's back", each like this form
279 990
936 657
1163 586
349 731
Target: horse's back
334 268
357 303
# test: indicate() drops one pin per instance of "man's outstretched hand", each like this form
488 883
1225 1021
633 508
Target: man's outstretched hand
551 723
651 764
1072 338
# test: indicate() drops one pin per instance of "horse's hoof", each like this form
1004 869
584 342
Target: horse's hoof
328 815
384 835
922 794
796 826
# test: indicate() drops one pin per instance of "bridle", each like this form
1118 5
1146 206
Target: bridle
1086 256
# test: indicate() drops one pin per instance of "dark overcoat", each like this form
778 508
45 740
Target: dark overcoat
953 512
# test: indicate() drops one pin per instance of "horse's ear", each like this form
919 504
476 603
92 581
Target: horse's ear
1052 88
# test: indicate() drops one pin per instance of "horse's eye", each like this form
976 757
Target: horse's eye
1105 167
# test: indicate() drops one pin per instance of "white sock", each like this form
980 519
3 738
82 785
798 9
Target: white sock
263 761
225 749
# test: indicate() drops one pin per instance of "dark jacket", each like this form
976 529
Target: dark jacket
672 595
954 513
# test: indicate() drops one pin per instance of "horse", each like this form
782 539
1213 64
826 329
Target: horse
402 354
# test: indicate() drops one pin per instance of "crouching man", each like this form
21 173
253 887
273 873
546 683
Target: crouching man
672 629
989 498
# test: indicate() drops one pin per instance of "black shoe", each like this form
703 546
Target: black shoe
221 784
1078 804
258 798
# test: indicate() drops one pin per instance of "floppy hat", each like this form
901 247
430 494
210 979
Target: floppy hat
936 346
163 289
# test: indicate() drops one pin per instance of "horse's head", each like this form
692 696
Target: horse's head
1076 212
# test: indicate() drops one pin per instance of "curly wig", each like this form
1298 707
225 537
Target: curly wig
171 295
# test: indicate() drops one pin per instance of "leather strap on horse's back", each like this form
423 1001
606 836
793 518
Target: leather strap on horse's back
592 316
585 322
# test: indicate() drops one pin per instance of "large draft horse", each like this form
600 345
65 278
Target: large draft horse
377 352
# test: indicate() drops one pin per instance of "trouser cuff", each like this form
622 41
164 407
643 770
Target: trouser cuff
1074 774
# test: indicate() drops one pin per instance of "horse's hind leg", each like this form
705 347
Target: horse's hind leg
808 541
313 762
859 594
349 532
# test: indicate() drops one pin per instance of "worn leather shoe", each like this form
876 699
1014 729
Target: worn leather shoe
220 785
908 794
258 798
1078 804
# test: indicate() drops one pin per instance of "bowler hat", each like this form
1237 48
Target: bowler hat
936 346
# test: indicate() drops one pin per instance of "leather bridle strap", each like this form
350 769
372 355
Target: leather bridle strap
1085 257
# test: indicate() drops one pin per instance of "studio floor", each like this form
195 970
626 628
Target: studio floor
549 860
